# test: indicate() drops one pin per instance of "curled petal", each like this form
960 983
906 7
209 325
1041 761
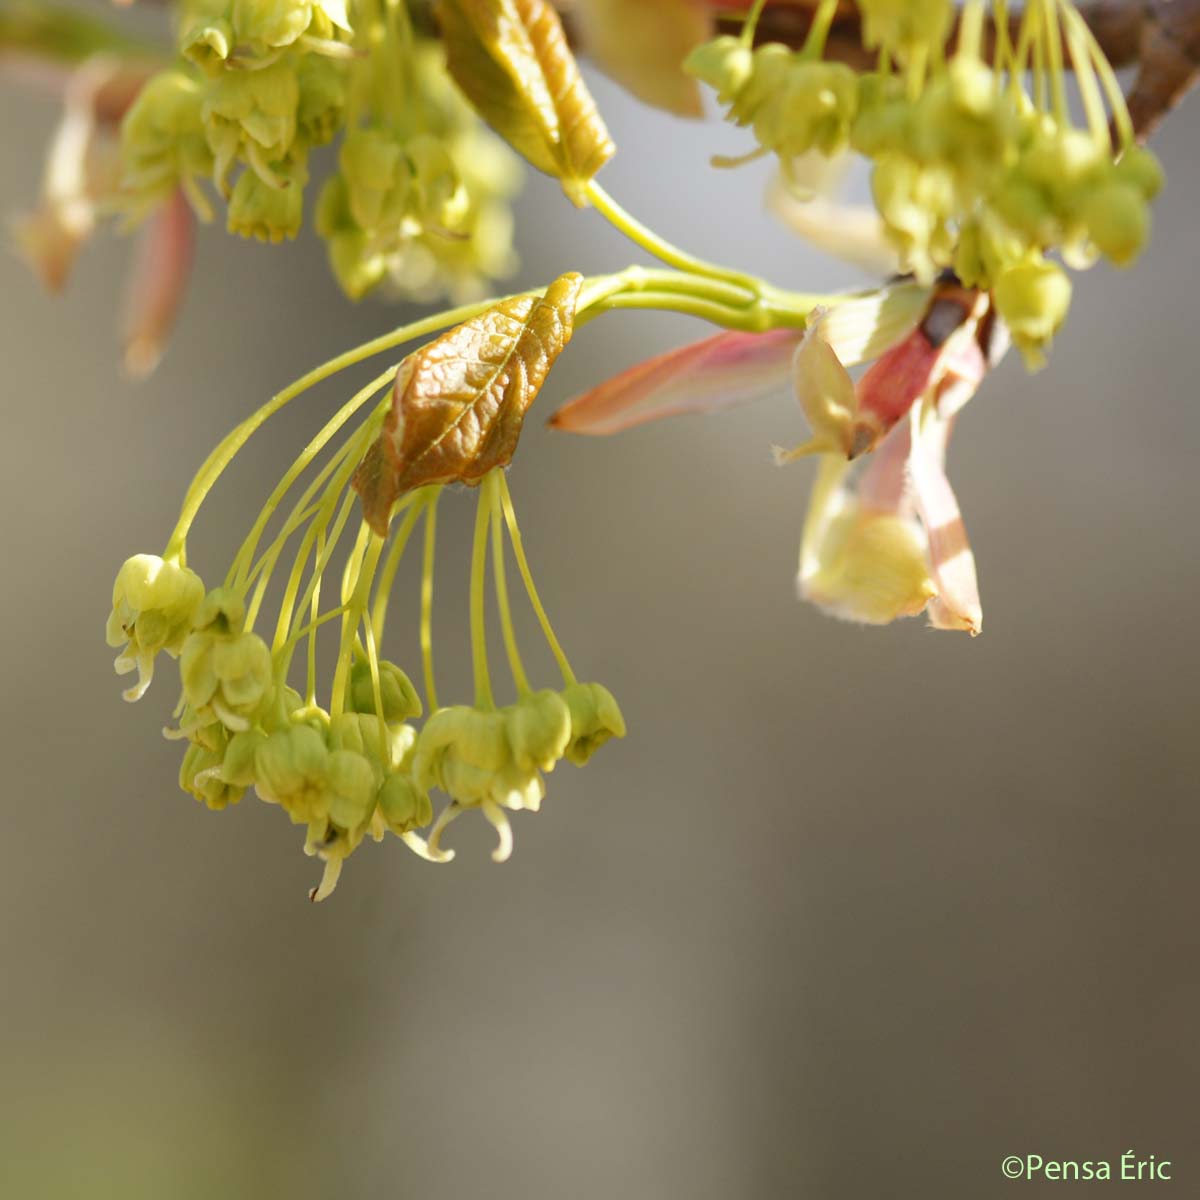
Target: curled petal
329 880
956 605
498 819
160 273
421 848
717 373
825 392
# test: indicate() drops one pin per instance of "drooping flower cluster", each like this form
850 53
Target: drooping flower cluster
352 761
359 765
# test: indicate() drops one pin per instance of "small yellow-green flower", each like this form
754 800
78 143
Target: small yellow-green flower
226 672
154 602
595 718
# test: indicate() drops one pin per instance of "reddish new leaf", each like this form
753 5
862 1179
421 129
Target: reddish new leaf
459 403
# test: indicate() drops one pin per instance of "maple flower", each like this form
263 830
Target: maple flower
895 545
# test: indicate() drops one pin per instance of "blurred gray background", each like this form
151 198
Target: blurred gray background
850 913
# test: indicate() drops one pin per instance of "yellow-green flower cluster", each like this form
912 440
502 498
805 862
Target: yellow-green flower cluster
247 34
260 84
420 199
360 766
794 103
969 173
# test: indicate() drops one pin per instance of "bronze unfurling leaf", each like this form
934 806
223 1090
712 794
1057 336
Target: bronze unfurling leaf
512 60
459 403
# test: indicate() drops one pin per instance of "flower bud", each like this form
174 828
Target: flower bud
154 602
322 106
201 775
223 611
539 730
291 769
404 806
163 140
915 202
226 676
254 111
371 162
352 787
271 24
357 264
399 697
724 63
813 108
595 718
206 35
1032 298
1141 169
1117 221
463 735
265 211
238 766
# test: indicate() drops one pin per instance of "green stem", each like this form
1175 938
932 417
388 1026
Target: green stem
483 682
1110 83
818 31
970 29
226 450
360 583
747 36
1089 88
520 679
427 600
659 247
1062 113
514 535
386 577
318 443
